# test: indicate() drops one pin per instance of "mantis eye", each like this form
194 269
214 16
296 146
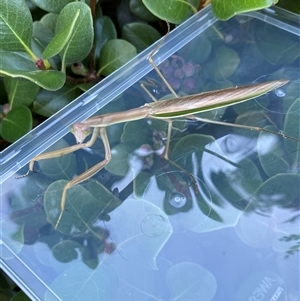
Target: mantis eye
80 131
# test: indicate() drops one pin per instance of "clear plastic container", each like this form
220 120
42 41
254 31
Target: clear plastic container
140 229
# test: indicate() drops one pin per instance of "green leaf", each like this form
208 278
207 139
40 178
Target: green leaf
225 182
41 34
61 38
240 173
49 21
119 163
140 35
138 8
67 250
104 31
15 24
284 52
114 54
187 145
52 6
16 123
19 65
172 11
20 92
138 132
62 167
222 65
252 106
224 9
190 281
49 102
278 190
82 33
251 118
141 182
28 196
198 50
79 216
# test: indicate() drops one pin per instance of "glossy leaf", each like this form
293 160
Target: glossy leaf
198 50
285 52
278 190
42 34
222 65
48 102
265 227
114 54
16 25
120 162
254 118
188 145
82 35
134 135
173 11
253 106
140 35
16 123
52 6
19 65
141 182
224 179
67 250
138 132
20 92
190 281
196 212
49 21
104 31
79 215
224 9
61 167
61 38
138 8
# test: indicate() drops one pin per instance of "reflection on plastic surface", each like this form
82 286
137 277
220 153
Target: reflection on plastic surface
139 230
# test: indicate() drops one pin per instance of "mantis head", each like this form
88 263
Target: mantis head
80 131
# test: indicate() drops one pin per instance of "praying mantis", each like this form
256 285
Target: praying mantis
166 110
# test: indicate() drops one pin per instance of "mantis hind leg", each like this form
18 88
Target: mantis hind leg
169 121
166 157
151 61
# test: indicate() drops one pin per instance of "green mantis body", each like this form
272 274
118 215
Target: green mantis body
165 110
